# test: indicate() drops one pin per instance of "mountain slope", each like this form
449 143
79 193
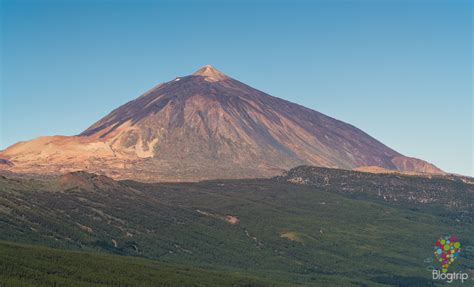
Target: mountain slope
40 266
338 228
203 126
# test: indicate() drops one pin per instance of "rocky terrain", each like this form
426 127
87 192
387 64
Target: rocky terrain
446 192
207 126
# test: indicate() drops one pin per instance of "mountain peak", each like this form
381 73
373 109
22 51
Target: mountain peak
207 126
210 73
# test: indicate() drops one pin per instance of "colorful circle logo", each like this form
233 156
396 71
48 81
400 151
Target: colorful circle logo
446 251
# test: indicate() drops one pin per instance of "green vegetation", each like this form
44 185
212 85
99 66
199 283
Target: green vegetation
22 265
372 230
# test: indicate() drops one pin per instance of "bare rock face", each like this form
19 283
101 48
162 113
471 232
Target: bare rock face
205 126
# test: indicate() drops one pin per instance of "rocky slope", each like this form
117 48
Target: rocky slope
448 191
203 126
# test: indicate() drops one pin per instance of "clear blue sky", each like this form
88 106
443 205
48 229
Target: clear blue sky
399 70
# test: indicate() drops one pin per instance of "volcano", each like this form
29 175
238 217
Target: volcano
206 126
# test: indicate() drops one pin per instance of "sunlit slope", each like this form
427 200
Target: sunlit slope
207 126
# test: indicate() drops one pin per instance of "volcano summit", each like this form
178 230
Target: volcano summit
206 126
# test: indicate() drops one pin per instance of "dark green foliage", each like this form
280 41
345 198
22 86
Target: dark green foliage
22 265
341 234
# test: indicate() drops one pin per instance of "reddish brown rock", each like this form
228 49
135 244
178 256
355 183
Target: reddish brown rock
204 126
